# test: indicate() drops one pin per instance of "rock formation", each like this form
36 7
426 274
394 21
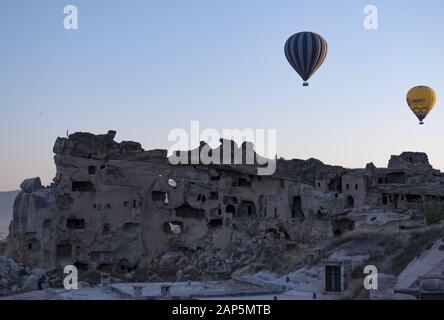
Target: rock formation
114 207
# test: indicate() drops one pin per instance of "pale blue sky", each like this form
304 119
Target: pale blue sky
146 67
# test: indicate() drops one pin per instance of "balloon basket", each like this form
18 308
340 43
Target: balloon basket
421 123
305 84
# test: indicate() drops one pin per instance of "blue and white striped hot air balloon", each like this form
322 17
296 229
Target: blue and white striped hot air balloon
306 51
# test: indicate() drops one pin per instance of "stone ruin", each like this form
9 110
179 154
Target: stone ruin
114 205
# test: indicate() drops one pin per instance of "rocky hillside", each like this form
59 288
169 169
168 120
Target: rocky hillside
6 202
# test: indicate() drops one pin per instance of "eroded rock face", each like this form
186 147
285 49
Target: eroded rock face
31 185
114 207
410 160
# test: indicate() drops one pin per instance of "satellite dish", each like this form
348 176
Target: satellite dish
172 183
175 228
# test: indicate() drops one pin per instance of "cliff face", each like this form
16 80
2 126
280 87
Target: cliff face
114 205
6 201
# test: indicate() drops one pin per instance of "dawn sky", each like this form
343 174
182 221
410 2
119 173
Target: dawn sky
144 68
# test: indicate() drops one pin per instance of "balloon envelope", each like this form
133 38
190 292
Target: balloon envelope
306 51
421 100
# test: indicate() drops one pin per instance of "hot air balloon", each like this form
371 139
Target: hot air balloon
421 101
306 51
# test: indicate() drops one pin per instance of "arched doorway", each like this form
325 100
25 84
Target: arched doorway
350 202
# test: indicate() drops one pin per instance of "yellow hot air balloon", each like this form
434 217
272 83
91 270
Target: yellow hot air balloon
421 101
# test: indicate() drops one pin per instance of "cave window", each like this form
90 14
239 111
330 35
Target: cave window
219 211
134 204
102 167
214 195
296 209
186 211
215 223
413 197
384 200
275 212
230 209
82 186
199 197
158 196
64 250
319 184
106 228
47 223
75 224
265 211
34 244
92 170
347 187
108 206
126 203
243 182
81 266
380 181
204 199
356 186
94 206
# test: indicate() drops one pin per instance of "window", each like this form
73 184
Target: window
185 211
92 170
230 209
356 186
74 224
333 278
159 196
82 186
243 183
347 187
63 250
106 228
214 195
